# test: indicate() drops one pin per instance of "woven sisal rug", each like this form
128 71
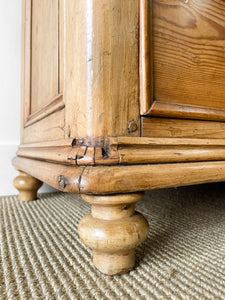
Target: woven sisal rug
41 256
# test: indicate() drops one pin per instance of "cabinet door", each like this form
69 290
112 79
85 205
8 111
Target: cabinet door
42 96
186 42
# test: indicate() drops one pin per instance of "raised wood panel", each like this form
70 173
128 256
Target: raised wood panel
55 105
44 53
43 114
46 129
188 51
187 40
178 128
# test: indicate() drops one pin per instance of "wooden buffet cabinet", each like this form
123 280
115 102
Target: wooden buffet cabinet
119 97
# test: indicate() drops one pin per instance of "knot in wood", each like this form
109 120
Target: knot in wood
61 181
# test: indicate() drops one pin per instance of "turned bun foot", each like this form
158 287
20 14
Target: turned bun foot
114 263
27 186
113 230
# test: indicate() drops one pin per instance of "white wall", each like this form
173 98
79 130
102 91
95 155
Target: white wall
10 72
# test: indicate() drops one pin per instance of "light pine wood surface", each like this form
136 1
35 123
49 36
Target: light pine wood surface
43 71
184 52
102 85
45 54
121 179
127 150
182 128
188 51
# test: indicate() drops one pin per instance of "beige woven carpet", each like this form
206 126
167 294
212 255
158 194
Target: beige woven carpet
183 257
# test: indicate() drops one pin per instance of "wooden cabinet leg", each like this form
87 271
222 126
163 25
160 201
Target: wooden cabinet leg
113 230
27 186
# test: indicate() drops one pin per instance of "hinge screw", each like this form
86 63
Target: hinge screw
132 126
81 141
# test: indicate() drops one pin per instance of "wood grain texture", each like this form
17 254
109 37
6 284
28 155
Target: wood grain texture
185 111
44 53
187 41
148 141
121 179
26 62
128 150
102 67
113 230
46 144
146 155
124 179
65 155
54 106
102 91
188 51
131 142
61 177
43 71
51 128
178 128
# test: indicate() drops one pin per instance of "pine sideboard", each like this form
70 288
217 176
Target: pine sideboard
120 97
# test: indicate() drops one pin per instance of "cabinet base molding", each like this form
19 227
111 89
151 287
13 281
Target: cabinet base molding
125 151
121 178
113 230
27 186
